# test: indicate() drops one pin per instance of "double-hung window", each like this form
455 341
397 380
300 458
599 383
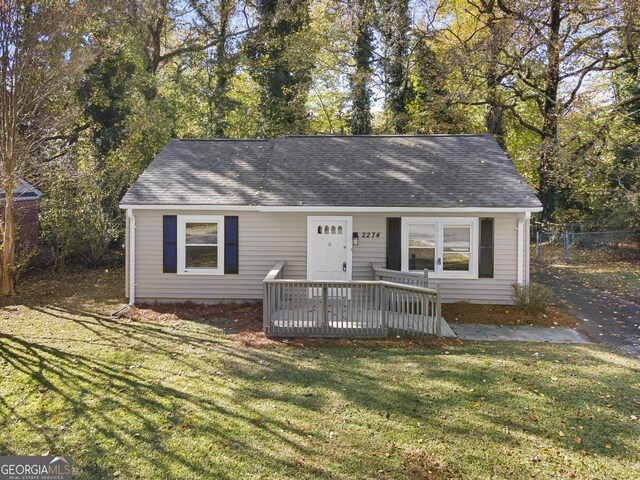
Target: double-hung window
447 247
200 244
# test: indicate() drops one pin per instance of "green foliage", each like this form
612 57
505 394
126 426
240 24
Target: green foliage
75 215
25 260
432 109
105 93
394 29
360 79
532 298
282 72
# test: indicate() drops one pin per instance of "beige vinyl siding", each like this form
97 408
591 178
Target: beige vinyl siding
481 290
265 238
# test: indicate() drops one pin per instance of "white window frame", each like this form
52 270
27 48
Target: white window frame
182 237
440 223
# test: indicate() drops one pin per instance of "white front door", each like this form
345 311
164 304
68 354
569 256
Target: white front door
329 248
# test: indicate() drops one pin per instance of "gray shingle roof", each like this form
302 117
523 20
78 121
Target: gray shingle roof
203 172
371 171
24 191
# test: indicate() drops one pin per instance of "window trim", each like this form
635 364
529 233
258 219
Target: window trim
182 237
440 223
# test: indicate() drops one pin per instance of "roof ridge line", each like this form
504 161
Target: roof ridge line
391 135
222 139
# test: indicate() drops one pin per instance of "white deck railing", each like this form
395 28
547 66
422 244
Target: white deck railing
395 302
419 279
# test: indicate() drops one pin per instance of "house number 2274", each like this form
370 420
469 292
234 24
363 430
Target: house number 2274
370 235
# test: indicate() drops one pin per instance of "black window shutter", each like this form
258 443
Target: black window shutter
394 241
230 244
485 266
169 243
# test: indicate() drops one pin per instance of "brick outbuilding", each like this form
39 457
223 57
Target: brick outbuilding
26 203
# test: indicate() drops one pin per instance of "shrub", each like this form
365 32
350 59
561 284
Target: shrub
77 219
532 297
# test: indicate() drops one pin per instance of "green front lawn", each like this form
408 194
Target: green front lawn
180 398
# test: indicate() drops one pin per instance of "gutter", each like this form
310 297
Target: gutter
341 209
132 256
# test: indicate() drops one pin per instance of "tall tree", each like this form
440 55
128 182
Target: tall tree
220 61
479 34
432 109
38 61
559 44
105 92
626 172
395 30
360 80
223 71
493 71
283 76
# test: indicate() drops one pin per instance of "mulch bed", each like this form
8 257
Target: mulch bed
463 312
230 317
244 323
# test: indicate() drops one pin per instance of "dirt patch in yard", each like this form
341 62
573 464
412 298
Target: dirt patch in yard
463 312
244 323
427 466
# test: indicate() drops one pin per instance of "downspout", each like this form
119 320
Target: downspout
520 251
527 247
132 256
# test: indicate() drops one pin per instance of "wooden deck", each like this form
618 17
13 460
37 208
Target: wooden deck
365 309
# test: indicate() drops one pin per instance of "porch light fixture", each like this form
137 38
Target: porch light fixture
355 239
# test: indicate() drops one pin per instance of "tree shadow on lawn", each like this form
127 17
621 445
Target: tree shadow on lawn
98 393
123 386
504 394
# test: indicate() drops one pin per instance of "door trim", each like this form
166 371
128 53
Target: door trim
349 234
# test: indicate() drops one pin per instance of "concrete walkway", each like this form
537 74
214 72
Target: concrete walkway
601 316
516 333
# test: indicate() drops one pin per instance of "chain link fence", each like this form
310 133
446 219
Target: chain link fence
585 247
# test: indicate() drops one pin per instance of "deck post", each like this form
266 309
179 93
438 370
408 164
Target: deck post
265 308
325 306
383 307
425 279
